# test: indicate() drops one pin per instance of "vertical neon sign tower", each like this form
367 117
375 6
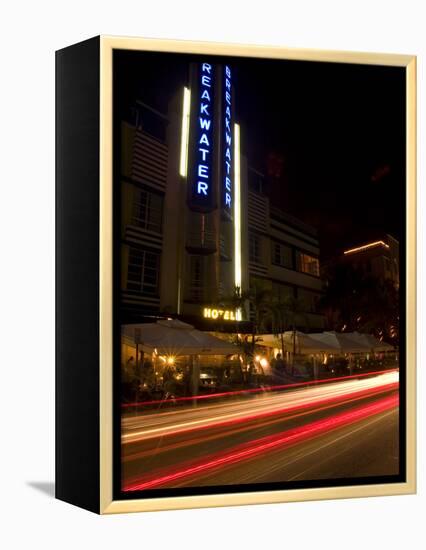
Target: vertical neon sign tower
201 174
237 214
210 171
227 151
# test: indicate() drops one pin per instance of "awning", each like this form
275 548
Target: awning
173 337
370 341
304 343
326 342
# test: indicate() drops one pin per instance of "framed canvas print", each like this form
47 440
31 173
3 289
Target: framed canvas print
235 290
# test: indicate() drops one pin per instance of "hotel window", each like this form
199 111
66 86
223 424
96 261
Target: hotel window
255 181
201 233
282 255
147 210
196 278
307 264
387 266
254 248
152 122
309 299
143 271
281 292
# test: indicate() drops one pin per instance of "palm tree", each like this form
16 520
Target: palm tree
296 312
358 301
259 300
286 314
380 311
279 319
236 302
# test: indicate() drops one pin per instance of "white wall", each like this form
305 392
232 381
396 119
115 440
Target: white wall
30 32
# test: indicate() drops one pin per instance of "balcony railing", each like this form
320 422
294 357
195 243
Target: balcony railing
225 248
201 242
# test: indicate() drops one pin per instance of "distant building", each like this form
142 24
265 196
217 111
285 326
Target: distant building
378 258
195 220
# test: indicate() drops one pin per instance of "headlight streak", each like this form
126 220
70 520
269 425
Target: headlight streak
154 417
266 444
237 418
201 437
257 390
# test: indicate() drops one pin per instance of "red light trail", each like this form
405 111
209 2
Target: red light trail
256 390
350 396
261 421
263 445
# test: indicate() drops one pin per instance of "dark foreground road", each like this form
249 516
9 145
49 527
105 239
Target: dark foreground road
342 429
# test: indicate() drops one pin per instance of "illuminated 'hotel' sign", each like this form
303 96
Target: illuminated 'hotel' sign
222 314
202 180
227 190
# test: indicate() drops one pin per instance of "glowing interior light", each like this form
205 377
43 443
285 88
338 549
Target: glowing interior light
237 212
183 168
365 247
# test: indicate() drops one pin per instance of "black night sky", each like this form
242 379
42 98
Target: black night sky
330 137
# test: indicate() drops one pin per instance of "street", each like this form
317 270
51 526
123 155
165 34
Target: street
344 428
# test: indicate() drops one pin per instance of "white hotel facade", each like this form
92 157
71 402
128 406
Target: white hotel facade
195 219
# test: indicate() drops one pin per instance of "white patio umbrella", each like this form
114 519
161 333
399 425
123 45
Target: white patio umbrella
369 340
304 343
173 337
341 342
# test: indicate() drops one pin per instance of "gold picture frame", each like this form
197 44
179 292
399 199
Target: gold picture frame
107 505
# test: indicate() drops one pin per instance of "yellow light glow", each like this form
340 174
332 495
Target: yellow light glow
183 168
237 213
170 360
216 313
264 362
257 358
366 247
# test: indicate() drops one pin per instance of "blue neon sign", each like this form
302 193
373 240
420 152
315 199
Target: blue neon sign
202 177
227 171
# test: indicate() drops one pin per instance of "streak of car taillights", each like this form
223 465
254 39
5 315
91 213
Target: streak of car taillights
225 420
263 445
251 391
